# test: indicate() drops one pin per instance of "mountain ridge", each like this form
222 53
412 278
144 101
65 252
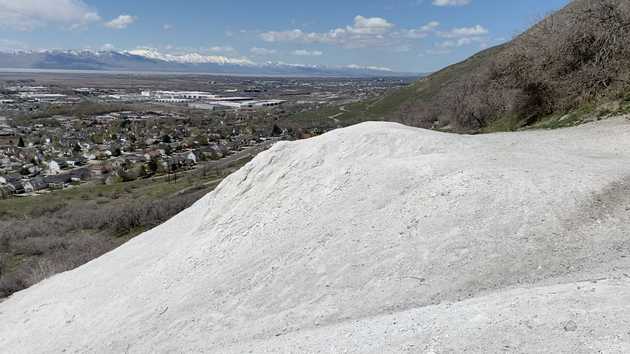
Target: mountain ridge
148 60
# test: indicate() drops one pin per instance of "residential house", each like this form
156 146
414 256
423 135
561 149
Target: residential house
54 168
57 181
35 185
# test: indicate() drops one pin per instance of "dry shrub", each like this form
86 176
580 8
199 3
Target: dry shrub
63 237
577 55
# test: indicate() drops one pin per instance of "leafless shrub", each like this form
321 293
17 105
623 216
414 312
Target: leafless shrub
577 55
62 237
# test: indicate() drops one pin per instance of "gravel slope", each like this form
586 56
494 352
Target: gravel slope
373 238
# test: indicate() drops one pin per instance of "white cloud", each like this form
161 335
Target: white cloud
461 42
422 32
438 51
222 49
461 37
284 36
364 67
26 15
364 32
121 22
402 48
167 27
307 53
10 45
108 47
451 2
373 25
477 30
378 32
262 51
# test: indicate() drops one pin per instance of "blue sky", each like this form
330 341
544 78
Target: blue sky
403 35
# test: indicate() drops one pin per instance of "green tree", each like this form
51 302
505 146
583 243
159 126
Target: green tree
276 130
203 140
97 138
153 165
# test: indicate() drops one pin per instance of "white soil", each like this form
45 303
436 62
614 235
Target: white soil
374 238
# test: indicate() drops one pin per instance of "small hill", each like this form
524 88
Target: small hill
376 238
574 60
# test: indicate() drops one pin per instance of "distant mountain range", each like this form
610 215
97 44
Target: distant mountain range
146 60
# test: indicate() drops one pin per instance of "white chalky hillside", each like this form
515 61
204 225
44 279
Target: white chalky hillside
371 239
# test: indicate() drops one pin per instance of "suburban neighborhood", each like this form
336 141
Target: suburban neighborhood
56 136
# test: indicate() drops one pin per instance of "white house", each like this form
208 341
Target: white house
191 157
53 168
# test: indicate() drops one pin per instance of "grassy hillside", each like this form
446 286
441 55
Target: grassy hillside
574 64
409 102
573 61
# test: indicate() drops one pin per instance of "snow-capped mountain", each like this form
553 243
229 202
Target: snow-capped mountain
189 58
150 60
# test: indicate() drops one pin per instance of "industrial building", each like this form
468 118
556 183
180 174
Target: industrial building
208 101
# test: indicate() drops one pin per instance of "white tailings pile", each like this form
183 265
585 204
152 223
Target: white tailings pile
375 238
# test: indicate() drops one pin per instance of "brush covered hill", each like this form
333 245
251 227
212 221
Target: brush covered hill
378 238
571 60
